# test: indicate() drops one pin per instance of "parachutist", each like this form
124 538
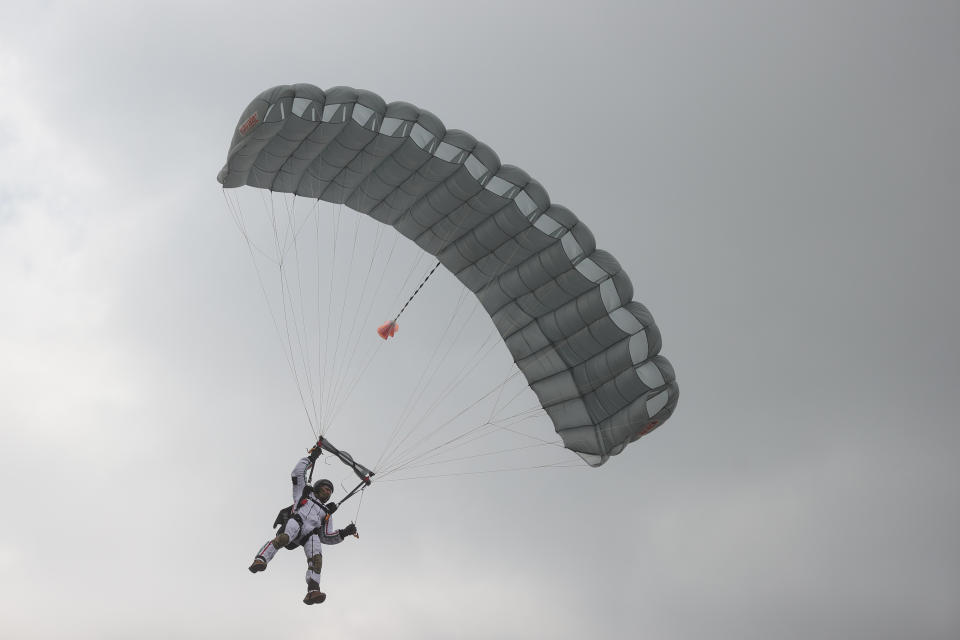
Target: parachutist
306 523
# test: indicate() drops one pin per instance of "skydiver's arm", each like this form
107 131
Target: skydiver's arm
329 535
300 472
299 477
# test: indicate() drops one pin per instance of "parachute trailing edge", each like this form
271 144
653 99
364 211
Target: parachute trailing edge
564 308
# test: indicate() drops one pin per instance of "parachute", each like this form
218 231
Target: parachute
563 308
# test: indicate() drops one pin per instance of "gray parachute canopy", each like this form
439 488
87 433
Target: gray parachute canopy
563 307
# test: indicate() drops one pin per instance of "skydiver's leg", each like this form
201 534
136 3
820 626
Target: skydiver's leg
313 550
290 532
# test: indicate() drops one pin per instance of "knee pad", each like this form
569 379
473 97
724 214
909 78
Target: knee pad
316 563
281 540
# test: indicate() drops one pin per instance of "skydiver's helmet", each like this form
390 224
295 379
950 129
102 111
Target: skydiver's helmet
323 483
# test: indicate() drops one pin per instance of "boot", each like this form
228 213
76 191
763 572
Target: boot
259 564
314 596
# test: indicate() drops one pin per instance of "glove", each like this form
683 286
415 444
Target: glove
330 507
349 530
315 450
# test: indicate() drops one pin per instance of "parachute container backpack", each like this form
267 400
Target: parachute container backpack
564 308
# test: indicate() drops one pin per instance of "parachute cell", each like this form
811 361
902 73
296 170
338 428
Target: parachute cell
564 308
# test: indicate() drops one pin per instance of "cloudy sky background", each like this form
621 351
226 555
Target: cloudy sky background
781 182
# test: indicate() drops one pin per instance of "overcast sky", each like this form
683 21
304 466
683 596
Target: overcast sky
780 180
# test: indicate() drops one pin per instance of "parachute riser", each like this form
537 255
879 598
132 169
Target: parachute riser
364 483
362 472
